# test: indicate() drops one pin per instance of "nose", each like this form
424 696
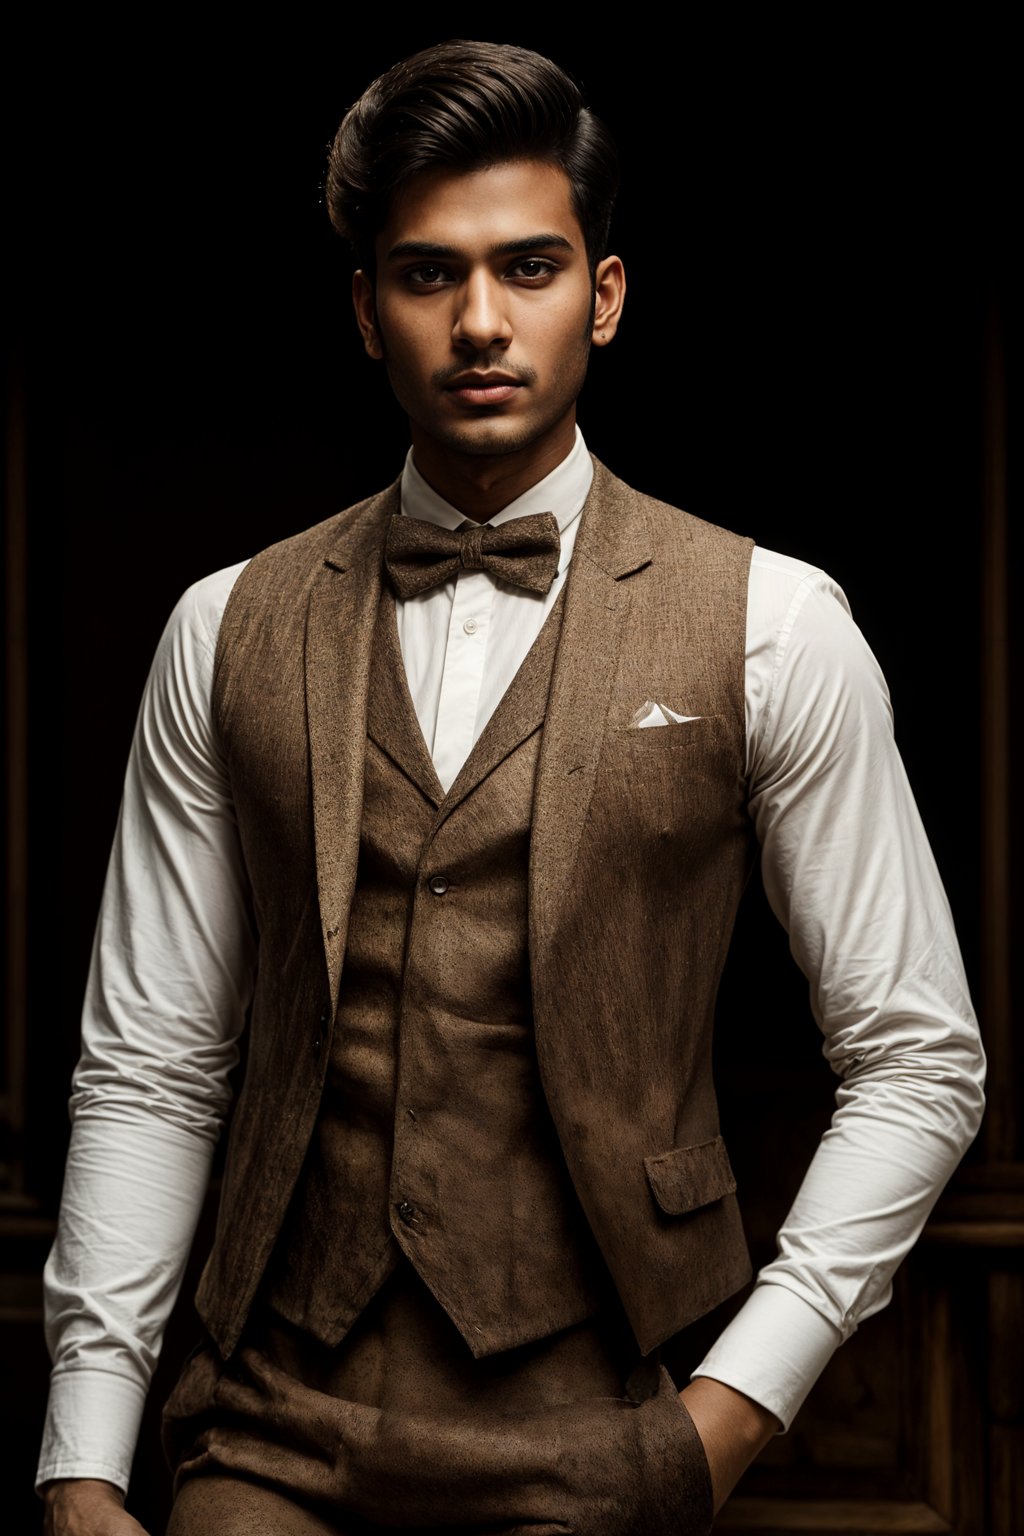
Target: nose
481 318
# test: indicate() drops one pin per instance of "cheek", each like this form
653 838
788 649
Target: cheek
569 359
563 333
411 342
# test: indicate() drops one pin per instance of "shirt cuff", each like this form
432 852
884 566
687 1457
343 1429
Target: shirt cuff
92 1425
773 1351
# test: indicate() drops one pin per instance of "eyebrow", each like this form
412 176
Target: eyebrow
428 250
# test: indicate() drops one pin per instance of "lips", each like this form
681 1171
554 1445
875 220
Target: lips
483 388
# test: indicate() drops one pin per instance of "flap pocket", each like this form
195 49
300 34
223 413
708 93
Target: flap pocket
688 1177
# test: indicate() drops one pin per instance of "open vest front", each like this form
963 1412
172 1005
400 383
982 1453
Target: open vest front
639 846
433 1137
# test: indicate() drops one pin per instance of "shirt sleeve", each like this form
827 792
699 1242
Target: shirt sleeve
169 983
849 872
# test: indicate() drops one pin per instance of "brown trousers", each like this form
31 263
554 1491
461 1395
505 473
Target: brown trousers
400 1429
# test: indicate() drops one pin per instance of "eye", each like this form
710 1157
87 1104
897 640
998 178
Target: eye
533 269
426 276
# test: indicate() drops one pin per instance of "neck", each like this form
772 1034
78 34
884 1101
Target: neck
479 485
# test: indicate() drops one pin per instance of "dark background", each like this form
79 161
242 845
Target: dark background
814 225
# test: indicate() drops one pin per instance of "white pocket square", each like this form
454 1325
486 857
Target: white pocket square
652 713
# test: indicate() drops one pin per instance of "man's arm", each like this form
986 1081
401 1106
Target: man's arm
733 1430
165 1001
87 1508
849 873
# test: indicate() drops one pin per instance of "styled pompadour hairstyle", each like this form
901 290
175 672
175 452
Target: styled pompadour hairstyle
466 106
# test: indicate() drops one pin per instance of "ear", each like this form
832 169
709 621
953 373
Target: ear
366 313
609 297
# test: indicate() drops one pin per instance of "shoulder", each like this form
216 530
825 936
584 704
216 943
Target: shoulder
265 615
285 570
685 553
811 673
208 611
668 524
186 647
173 724
780 587
797 609
196 618
783 588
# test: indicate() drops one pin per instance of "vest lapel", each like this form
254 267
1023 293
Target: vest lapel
519 713
339 632
391 719
613 541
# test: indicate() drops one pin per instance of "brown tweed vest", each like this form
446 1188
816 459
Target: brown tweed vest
639 848
433 1137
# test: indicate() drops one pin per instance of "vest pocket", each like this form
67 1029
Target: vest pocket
697 734
685 1178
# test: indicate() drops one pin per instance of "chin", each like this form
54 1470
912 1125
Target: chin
492 439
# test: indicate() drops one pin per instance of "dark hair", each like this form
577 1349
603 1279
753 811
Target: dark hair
465 106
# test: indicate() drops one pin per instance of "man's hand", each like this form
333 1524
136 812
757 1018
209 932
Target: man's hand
87 1507
732 1427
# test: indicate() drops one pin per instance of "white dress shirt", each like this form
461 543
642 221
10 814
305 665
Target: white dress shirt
846 866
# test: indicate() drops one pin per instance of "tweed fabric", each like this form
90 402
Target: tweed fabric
400 1428
433 1137
639 850
524 552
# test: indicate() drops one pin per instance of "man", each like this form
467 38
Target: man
454 797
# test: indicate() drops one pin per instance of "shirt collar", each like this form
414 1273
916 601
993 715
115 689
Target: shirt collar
562 492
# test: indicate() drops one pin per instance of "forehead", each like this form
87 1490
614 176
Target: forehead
468 210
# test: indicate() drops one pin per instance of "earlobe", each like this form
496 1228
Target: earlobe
609 296
366 313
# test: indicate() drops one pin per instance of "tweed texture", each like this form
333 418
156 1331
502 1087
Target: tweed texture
524 552
433 1137
639 850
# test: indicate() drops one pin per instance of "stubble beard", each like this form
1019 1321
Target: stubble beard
470 438
505 435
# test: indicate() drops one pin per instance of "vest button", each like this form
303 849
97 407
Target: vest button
438 884
407 1212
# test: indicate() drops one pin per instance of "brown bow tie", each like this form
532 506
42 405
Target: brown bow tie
523 551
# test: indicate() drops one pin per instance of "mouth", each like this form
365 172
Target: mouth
483 388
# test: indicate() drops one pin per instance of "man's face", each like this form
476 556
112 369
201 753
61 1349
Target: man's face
484 309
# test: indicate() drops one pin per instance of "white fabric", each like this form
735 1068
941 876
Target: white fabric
847 868
463 643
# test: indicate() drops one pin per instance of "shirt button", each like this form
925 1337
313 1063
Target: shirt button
470 627
407 1212
438 884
